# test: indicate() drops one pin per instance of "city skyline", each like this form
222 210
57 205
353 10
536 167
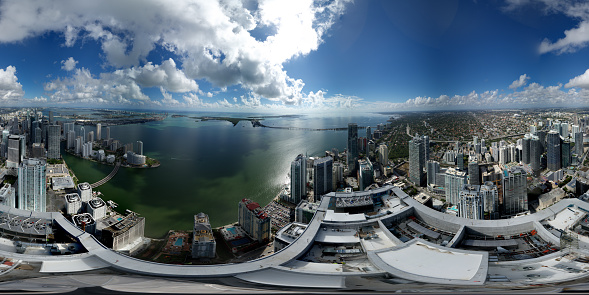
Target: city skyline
337 56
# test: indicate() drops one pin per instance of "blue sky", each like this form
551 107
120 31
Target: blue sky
293 56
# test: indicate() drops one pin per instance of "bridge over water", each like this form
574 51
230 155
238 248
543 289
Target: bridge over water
108 177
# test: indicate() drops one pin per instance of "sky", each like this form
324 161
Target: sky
295 56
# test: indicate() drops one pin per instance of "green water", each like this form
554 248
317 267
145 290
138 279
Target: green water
209 166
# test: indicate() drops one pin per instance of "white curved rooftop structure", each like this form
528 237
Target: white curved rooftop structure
415 260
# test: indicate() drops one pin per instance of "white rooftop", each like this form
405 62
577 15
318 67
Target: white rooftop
330 215
566 218
433 262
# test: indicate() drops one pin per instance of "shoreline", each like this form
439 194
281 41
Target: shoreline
114 164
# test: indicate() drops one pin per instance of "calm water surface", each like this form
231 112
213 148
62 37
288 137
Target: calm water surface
210 166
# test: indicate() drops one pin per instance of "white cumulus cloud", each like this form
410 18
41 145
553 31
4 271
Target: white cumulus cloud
10 88
523 79
69 64
213 40
581 81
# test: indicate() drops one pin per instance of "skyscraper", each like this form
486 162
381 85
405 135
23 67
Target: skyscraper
425 139
298 179
140 147
14 152
565 148
535 153
54 138
368 133
383 154
515 195
453 184
433 168
323 177
553 152
471 203
71 139
474 174
526 149
416 160
31 185
107 133
365 173
254 220
490 198
352 154
82 134
579 143
99 132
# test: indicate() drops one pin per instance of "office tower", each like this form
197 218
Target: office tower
352 154
53 151
79 145
579 143
416 160
565 158
556 127
515 195
542 138
338 174
82 134
535 153
14 152
203 242
140 147
298 179
425 139
368 133
474 174
453 183
503 155
553 152
44 125
67 127
71 139
322 177
107 133
574 130
564 127
383 154
31 185
433 168
254 220
526 149
50 117
477 148
490 196
37 138
38 150
532 129
5 134
471 204
483 143
365 174
512 151
98 131
90 137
